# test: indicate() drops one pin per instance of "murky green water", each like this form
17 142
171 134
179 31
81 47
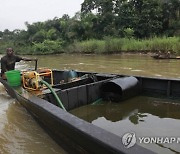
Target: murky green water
146 116
19 133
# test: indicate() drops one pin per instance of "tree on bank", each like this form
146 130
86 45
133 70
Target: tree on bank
98 20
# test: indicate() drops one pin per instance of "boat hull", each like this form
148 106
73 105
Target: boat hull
73 134
164 57
76 135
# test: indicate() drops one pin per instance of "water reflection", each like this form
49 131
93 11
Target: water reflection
146 116
135 108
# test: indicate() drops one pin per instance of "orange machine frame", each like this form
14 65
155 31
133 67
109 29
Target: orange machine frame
37 75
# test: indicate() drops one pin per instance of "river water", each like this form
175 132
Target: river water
147 116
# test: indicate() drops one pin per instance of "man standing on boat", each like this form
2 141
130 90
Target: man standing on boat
8 61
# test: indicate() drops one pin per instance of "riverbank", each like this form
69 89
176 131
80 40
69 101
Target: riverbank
106 46
119 45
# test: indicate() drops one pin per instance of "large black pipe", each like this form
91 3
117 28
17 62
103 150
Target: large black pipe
120 89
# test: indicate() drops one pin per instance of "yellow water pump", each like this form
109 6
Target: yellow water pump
32 79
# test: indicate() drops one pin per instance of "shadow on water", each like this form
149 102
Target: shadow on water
133 108
146 116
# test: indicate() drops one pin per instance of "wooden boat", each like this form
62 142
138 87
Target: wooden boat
74 134
164 57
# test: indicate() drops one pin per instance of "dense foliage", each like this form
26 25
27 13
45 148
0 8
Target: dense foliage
98 19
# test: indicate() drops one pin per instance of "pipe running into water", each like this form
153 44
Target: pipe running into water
54 93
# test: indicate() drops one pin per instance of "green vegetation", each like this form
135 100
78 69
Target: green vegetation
117 25
115 45
47 46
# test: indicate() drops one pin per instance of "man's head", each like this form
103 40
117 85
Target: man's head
9 51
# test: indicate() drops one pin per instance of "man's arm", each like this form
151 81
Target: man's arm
29 59
18 59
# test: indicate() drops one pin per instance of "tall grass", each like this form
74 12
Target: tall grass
108 45
90 46
164 44
117 45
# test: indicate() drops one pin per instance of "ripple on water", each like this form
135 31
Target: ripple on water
19 133
157 75
127 68
136 70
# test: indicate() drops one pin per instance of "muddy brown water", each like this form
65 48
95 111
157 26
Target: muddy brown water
146 116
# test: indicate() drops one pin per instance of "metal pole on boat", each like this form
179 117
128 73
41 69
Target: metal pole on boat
36 65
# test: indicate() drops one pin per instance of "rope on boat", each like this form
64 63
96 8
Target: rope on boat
54 93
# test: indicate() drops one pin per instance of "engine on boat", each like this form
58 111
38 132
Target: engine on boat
32 79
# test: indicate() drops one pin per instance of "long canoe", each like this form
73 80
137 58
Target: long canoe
74 134
165 57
